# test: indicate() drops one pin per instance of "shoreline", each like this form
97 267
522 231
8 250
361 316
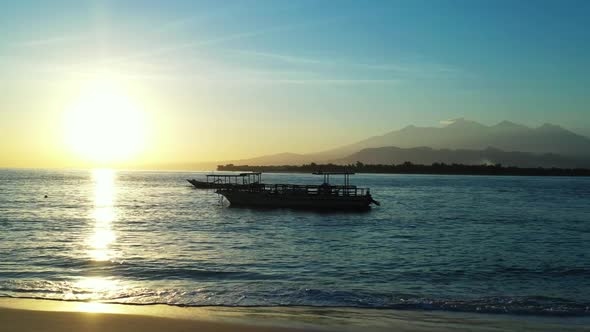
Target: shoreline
410 168
585 172
55 315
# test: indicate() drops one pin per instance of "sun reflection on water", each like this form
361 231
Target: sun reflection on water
96 284
104 215
97 288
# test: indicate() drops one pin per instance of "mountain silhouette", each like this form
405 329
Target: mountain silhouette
465 134
459 141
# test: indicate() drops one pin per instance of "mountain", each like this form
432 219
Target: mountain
427 156
465 134
582 131
460 141
274 159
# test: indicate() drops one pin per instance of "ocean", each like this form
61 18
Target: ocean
510 245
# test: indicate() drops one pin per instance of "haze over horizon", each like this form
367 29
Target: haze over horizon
130 83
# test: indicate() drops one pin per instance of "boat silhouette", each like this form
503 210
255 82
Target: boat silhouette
323 196
217 181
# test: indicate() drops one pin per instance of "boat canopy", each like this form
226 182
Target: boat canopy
327 176
242 178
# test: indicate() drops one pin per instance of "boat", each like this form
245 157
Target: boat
217 181
323 196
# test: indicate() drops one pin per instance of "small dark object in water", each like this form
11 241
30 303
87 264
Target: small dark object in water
45 196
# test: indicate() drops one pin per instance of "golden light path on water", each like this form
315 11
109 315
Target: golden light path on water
104 214
100 241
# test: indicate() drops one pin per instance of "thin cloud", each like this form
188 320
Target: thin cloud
254 76
332 81
47 41
406 68
449 121
185 22
218 40
225 12
282 57
194 44
295 81
182 46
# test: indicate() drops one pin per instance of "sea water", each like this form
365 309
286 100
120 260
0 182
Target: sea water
515 245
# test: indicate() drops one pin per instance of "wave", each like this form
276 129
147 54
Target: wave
152 272
531 305
187 273
141 272
491 273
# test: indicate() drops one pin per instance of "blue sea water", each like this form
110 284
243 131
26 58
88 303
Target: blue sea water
516 245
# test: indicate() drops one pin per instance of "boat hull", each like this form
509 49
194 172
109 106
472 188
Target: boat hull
211 185
204 185
272 200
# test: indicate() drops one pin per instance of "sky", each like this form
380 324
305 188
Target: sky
131 83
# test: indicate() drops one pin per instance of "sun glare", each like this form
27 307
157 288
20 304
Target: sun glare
104 125
104 215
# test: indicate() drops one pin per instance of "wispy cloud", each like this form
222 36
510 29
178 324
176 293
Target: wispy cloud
283 57
185 22
197 43
48 41
240 74
211 70
329 81
449 121
405 67
159 54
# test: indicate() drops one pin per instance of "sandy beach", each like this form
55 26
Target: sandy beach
50 316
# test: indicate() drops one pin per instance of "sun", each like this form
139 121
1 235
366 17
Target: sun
104 125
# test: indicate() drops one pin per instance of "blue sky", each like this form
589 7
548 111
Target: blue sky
347 69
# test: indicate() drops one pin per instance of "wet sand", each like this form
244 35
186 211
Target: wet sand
26 320
50 316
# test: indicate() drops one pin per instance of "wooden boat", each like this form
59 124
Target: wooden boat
324 196
217 181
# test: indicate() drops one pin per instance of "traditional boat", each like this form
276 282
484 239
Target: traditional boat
217 181
324 196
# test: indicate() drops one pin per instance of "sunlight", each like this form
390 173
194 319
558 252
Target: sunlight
104 187
96 284
96 288
93 307
104 125
104 215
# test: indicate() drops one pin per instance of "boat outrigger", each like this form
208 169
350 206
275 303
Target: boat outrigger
217 181
324 196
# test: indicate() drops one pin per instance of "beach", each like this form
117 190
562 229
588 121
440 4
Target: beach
49 316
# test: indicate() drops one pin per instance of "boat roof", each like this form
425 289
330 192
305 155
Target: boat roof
233 175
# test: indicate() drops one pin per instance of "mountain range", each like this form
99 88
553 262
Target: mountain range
465 134
427 156
460 141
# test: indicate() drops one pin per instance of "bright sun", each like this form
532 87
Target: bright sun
104 125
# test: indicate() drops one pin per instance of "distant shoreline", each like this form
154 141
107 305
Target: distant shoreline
410 168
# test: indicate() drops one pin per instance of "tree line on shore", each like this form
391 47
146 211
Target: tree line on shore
410 168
